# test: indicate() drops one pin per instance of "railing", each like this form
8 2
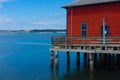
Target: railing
63 40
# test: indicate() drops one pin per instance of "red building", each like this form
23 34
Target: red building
87 18
91 22
93 26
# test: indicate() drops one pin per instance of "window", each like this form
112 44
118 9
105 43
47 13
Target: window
84 29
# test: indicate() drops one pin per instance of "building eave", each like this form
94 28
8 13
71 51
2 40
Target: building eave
88 3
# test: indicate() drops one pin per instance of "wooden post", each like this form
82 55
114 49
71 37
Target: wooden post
68 58
109 59
113 56
118 60
95 59
52 64
85 59
90 57
105 59
57 72
78 59
113 59
68 64
100 57
56 60
52 59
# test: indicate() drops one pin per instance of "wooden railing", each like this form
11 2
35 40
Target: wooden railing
63 40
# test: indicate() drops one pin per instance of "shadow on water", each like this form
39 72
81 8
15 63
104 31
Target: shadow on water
101 67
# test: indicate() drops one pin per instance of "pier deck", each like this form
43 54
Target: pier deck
86 44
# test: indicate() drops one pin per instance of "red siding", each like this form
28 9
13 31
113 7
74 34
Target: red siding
93 15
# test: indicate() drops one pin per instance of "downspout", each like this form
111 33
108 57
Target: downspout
104 31
104 24
71 21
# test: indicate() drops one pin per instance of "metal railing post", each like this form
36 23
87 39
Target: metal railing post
65 42
104 31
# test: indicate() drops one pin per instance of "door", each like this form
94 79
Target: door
107 33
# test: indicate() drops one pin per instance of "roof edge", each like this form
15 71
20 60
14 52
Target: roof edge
88 4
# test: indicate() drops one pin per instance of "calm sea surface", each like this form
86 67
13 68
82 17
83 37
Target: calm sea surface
27 57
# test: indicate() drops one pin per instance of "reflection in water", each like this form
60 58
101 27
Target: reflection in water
91 66
51 72
91 75
57 73
68 72
54 74
102 67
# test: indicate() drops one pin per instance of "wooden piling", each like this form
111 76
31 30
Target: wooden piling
68 64
100 58
109 59
57 65
105 59
57 73
78 59
95 59
56 60
85 59
95 56
113 59
52 59
90 57
68 58
118 60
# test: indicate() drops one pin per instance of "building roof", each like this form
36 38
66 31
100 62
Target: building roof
88 2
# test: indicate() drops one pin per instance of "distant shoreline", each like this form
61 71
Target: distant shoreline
32 31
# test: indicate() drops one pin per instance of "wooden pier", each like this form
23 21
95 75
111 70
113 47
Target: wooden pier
91 45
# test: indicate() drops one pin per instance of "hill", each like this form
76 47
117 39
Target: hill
32 31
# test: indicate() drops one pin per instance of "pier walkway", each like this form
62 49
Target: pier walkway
87 45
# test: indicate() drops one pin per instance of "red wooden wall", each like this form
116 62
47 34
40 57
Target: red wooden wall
93 15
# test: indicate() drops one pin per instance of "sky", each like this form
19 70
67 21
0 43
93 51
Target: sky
32 14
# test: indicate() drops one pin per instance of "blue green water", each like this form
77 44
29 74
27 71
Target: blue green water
27 57
24 56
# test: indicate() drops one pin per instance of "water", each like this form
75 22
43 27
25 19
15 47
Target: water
27 57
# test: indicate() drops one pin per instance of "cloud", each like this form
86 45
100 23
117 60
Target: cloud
48 22
4 1
4 19
57 14
57 19
7 24
56 22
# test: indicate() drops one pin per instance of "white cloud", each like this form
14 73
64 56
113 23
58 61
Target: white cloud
4 1
7 22
1 1
57 14
49 22
4 19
